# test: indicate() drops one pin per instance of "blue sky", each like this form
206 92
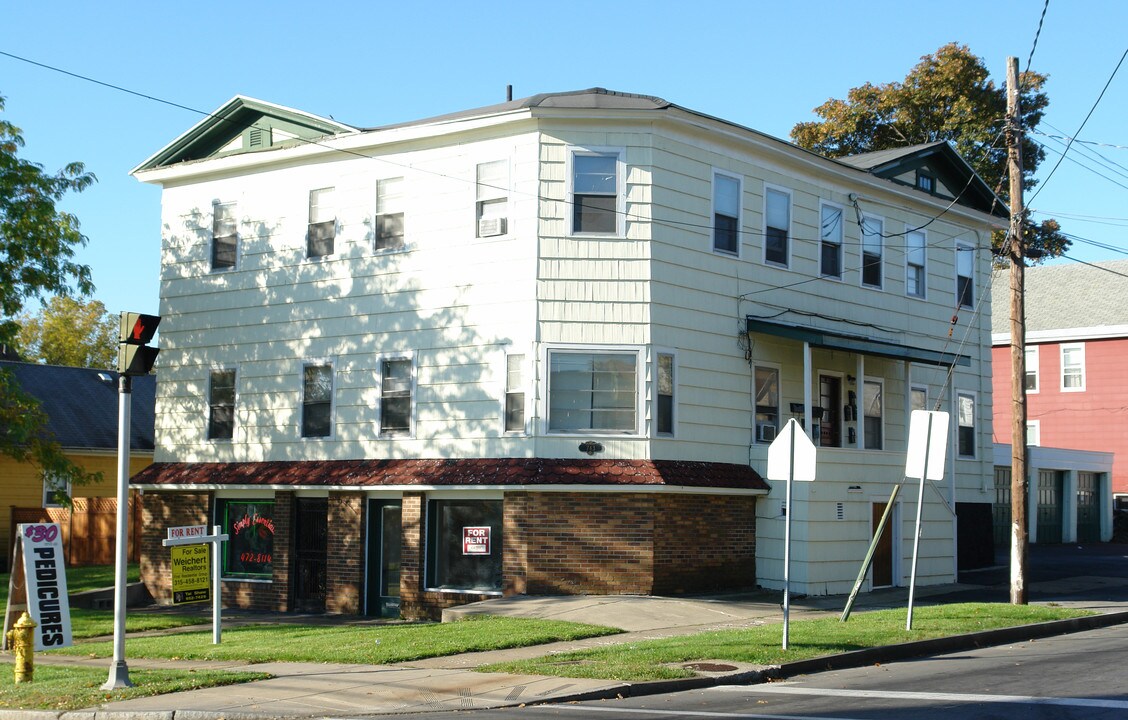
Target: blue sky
764 65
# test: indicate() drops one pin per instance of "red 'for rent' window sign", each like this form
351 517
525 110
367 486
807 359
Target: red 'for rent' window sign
476 540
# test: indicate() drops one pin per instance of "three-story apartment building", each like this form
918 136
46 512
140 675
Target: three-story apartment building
543 346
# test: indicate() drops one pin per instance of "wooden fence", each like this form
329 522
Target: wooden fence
89 529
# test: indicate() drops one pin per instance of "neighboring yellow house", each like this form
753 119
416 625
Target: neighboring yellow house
82 407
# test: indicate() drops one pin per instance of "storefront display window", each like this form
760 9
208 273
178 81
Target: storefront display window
249 551
464 545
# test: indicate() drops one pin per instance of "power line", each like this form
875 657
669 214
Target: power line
1083 122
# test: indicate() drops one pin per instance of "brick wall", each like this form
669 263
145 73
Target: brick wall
344 580
160 511
704 543
584 543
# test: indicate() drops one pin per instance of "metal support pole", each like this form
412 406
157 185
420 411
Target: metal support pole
119 671
217 601
787 545
920 509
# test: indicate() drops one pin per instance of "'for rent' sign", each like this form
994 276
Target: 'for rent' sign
476 540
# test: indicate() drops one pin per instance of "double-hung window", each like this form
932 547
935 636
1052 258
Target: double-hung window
225 236
593 392
767 403
830 241
1032 368
221 404
726 213
777 225
872 241
664 395
916 253
492 190
965 428
389 214
1073 367
514 393
595 193
873 402
55 490
322 223
965 275
396 384
317 400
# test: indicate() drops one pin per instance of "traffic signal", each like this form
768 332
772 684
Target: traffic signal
134 356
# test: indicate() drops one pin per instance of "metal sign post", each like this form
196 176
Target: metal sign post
193 535
928 442
791 457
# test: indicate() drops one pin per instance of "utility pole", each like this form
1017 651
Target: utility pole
1017 247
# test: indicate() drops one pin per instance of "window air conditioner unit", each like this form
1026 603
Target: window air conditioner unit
488 227
766 433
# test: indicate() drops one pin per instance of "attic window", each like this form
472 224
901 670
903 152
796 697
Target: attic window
925 182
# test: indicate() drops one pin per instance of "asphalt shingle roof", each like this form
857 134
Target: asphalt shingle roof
1064 297
82 404
457 472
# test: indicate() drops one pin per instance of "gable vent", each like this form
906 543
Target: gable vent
254 138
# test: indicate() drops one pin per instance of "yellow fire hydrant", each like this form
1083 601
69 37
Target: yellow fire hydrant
21 640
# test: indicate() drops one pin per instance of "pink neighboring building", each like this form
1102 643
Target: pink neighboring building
1076 361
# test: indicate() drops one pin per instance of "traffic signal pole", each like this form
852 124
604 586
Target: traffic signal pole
135 357
119 671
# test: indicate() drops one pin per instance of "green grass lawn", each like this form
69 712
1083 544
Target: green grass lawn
62 688
361 644
762 645
95 623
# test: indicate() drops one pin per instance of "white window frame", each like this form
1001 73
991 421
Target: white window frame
620 189
879 238
825 240
914 387
640 382
974 420
735 252
969 252
234 205
410 358
390 204
507 389
491 197
318 362
315 218
49 488
659 353
1032 367
778 370
234 402
1033 433
1080 347
922 266
786 192
880 382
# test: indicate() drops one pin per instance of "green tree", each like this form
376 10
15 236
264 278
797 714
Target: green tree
68 331
948 96
37 246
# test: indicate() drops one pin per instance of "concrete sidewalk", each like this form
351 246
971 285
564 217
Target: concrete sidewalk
449 683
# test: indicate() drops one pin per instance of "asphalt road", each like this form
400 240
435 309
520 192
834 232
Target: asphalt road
1070 677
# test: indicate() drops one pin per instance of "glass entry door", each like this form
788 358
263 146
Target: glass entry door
382 587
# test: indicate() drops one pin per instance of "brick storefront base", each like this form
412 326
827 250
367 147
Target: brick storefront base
554 544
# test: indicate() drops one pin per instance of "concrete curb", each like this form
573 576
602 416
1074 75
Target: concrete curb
858 658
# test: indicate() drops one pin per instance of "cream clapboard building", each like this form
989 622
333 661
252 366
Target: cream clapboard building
379 325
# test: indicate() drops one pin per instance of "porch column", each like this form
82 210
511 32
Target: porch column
807 370
860 390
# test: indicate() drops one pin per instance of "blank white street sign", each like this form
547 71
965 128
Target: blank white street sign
925 441
780 455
